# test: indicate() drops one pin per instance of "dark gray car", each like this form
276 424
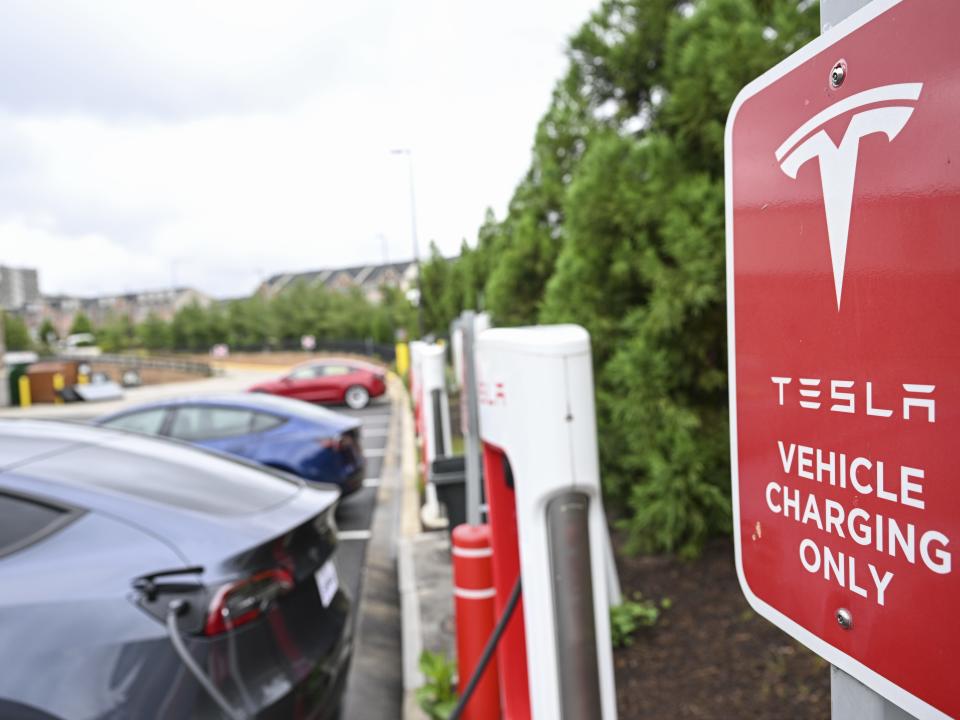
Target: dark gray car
142 578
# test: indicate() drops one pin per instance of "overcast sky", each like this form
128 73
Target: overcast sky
214 143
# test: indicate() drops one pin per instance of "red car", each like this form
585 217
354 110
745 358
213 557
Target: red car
348 382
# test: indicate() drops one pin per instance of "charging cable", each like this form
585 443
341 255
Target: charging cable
487 652
174 610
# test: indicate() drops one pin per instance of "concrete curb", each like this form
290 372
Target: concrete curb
411 633
375 688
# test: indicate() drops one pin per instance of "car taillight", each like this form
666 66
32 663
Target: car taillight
245 600
330 443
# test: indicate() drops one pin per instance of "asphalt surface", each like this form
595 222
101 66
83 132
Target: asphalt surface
375 684
355 514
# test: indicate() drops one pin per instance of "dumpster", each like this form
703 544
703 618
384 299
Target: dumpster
41 379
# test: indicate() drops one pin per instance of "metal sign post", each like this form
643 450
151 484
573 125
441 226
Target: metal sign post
849 698
842 199
471 417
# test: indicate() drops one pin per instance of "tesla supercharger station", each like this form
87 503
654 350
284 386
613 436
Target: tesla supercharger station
456 351
436 406
435 438
416 384
538 430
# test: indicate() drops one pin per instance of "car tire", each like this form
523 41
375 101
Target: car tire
356 397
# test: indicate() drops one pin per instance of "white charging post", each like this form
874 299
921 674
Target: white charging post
537 410
435 439
436 405
456 349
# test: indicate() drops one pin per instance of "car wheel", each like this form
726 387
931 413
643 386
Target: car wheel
356 397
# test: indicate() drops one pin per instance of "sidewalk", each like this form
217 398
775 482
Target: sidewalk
425 576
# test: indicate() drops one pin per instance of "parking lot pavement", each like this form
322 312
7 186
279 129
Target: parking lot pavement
375 685
355 514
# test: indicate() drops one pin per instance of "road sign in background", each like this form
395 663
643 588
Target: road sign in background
843 232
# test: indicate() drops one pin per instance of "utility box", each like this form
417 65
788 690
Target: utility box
539 437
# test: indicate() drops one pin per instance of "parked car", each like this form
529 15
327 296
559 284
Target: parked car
347 382
317 444
148 579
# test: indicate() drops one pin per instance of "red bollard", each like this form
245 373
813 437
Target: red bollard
474 594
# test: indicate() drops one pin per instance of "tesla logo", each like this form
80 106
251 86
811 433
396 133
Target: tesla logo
497 397
838 163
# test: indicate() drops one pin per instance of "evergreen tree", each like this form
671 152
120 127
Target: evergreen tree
47 334
190 329
618 226
154 334
249 323
117 334
81 324
15 334
438 294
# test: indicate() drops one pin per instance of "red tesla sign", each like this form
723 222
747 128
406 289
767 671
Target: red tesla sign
843 256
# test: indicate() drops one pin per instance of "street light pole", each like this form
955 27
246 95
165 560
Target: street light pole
413 230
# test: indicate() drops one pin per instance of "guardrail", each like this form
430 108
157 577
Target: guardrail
136 362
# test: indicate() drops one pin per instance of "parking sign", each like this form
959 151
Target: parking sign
843 279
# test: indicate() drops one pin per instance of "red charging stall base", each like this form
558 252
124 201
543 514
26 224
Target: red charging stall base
512 650
474 604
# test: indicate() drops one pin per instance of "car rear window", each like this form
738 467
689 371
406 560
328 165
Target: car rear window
168 473
24 521
263 422
198 422
148 422
307 411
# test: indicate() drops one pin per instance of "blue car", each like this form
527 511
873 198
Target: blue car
147 579
317 444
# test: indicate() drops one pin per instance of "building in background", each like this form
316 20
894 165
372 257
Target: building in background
369 278
19 287
20 294
61 310
137 306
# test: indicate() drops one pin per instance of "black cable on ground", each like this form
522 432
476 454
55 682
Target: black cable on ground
173 629
487 652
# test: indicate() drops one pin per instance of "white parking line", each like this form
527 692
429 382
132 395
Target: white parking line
375 452
354 535
371 482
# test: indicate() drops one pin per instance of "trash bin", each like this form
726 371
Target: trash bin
449 476
15 372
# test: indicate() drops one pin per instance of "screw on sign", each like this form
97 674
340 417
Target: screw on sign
843 261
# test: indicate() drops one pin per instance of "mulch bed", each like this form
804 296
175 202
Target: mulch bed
709 655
